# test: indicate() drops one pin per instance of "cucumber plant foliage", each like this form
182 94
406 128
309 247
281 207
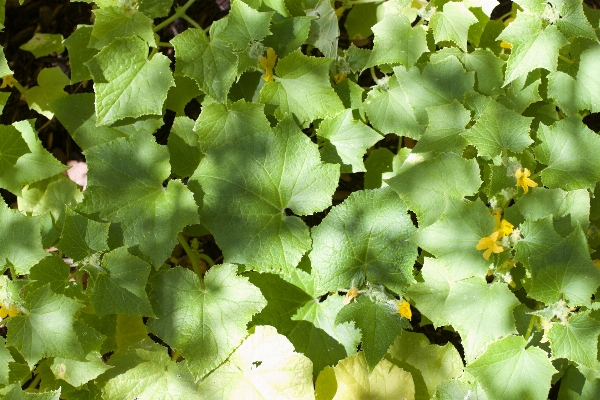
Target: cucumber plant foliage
487 227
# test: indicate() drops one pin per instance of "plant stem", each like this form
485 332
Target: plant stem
191 253
530 327
37 377
175 356
164 44
206 258
565 59
19 87
191 21
178 13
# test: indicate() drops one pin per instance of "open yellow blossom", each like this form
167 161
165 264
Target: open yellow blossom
404 309
505 45
267 63
505 228
8 312
523 179
350 295
490 245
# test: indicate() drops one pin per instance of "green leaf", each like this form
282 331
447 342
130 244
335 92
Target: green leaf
396 42
565 271
324 29
244 207
361 19
213 65
5 359
577 340
19 232
42 44
34 166
47 329
429 364
51 82
389 111
81 236
301 88
522 92
204 319
379 163
352 379
150 374
16 393
452 24
12 146
50 195
4 68
379 324
365 238
509 371
533 46
75 372
499 130
346 141
184 150
575 386
125 186
439 83
309 324
119 285
76 113
456 390
466 304
80 53
181 94
288 35
426 187
446 123
539 238
220 124
265 366
573 22
572 153
50 270
112 23
454 237
123 75
155 8
246 25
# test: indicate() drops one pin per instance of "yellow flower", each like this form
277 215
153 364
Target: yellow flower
8 80
267 63
350 295
505 45
505 228
489 244
404 309
523 179
8 311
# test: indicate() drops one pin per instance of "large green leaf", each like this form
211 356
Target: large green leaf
184 150
47 329
80 53
50 195
147 372
126 83
572 153
213 65
426 187
125 186
346 141
302 88
509 371
446 123
396 42
20 240
51 82
352 379
577 340
466 304
112 23
324 30
429 364
204 319
5 359
439 83
288 35
12 146
248 188
365 239
454 236
265 366
452 24
118 286
565 271
219 124
379 325
499 130
534 46
81 237
245 25
573 22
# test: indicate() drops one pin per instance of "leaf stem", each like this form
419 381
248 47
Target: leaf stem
19 87
530 327
352 2
190 253
164 44
37 377
191 21
565 59
175 356
180 12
